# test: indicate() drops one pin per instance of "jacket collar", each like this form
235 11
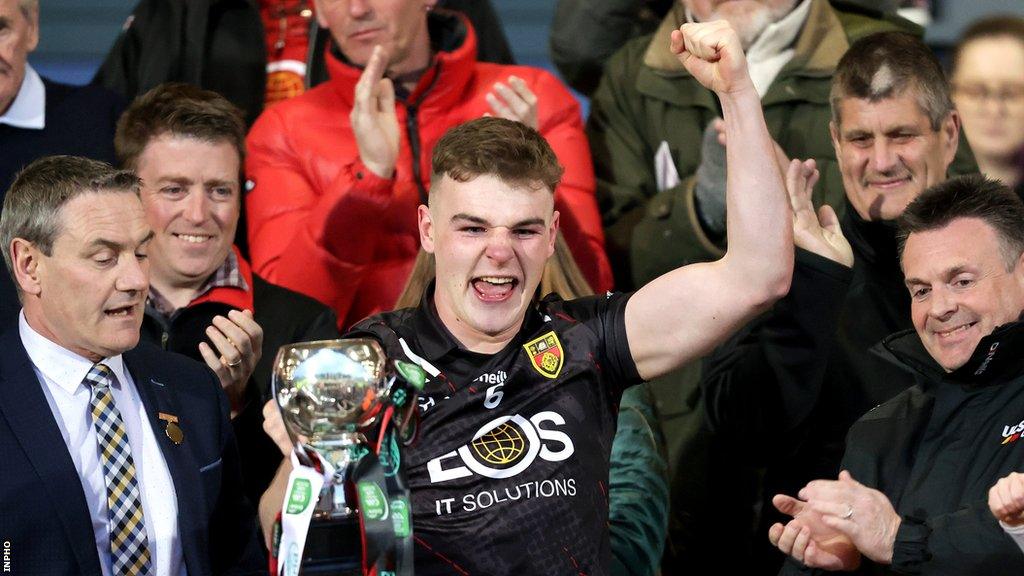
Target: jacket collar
998 358
454 43
873 242
819 46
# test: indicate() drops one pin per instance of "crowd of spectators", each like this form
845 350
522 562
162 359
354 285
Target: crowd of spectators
282 154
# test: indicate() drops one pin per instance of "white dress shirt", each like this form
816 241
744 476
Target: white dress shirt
61 374
28 110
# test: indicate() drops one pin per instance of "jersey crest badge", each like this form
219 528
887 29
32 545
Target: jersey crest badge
546 354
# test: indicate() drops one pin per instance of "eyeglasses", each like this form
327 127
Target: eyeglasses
1009 94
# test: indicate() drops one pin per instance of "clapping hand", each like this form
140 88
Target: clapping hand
373 118
239 342
818 233
514 101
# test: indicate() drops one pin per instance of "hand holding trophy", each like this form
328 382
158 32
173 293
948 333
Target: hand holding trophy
355 408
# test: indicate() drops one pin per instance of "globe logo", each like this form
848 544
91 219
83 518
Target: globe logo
502 446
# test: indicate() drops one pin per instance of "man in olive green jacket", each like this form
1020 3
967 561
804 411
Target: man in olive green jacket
648 119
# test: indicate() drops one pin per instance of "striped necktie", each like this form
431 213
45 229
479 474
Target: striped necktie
129 549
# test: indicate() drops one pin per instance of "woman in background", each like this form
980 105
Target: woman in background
988 88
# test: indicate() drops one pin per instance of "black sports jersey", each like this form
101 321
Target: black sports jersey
509 474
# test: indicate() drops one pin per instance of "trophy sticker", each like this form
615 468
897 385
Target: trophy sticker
371 499
300 497
400 517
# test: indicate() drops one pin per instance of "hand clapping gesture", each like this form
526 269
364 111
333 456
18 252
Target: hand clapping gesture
373 117
818 233
861 516
239 345
517 102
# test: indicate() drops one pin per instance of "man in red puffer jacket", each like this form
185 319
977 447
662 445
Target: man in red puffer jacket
336 173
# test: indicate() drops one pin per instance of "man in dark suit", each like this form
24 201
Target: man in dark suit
118 459
40 117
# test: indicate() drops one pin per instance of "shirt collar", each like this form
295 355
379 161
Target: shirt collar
29 107
60 365
435 340
779 36
228 274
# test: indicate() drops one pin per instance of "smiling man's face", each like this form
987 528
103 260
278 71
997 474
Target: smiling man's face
961 288
191 194
888 152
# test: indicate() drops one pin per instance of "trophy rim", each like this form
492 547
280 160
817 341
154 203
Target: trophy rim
334 343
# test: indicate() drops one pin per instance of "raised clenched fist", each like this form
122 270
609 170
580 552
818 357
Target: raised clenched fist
712 53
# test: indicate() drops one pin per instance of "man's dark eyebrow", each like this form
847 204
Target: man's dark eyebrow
469 218
855 132
117 246
529 222
220 182
175 179
484 222
901 128
946 274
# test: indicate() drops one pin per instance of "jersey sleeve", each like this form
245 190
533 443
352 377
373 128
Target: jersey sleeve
605 316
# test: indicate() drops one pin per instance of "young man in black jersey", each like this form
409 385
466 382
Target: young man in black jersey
509 475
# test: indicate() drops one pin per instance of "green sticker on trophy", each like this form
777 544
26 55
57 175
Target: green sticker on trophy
371 501
300 496
400 517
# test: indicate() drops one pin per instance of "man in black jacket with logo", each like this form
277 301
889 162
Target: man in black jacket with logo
788 387
913 494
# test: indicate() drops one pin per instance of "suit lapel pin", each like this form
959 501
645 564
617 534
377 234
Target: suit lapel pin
171 427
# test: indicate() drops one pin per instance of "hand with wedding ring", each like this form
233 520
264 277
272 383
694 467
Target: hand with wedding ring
862 514
809 540
239 344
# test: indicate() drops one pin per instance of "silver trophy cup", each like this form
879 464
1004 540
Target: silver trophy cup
328 391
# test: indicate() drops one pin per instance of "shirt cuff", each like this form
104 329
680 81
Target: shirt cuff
1015 532
910 550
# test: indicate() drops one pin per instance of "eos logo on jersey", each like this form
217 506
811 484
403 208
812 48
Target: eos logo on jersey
505 447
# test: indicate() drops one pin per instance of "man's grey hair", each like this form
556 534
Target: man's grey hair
885 65
33 204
